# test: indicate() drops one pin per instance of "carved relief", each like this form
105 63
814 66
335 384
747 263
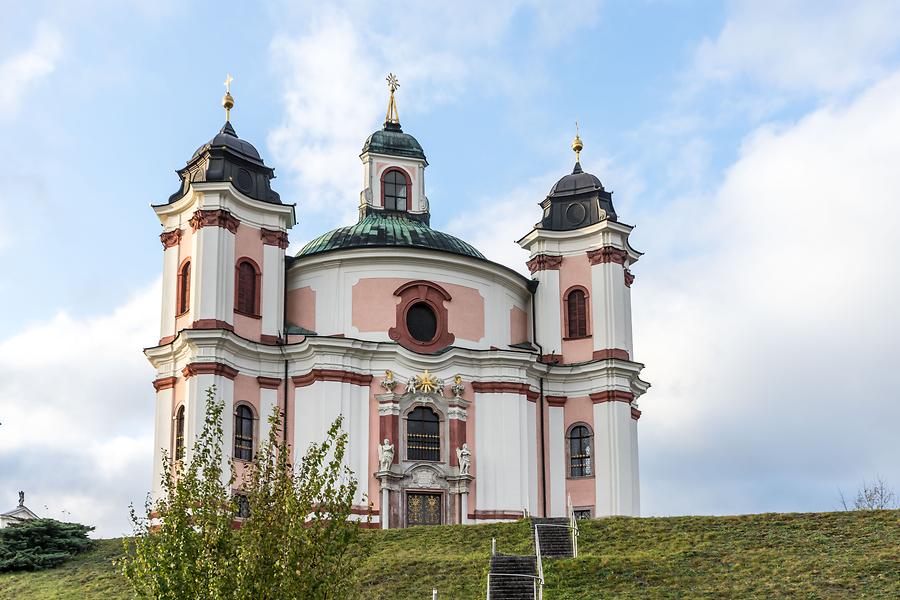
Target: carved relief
607 254
544 262
214 218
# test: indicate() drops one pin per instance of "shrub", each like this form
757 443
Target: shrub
41 544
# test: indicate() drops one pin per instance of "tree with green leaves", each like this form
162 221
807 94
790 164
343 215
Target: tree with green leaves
197 540
41 544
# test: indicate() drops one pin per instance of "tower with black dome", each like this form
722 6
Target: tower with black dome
469 392
580 257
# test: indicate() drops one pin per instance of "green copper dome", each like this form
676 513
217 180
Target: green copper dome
387 230
392 141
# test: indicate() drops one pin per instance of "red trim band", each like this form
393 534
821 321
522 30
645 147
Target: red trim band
332 375
504 387
164 383
209 368
211 324
268 382
611 353
495 514
612 396
556 400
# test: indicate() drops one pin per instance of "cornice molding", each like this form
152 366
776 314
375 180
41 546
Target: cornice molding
164 383
212 324
608 353
209 368
612 396
607 254
274 237
268 382
556 400
218 217
332 375
544 262
504 387
170 238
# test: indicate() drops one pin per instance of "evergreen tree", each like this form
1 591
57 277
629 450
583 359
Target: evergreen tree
41 544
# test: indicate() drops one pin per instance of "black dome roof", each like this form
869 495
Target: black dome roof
578 182
392 141
227 157
577 200
227 138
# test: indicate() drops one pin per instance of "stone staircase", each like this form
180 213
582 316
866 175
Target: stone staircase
507 581
512 577
555 537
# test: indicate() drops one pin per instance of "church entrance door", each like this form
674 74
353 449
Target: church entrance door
423 509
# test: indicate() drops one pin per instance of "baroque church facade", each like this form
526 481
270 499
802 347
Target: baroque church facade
470 393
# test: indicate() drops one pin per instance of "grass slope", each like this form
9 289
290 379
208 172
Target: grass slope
816 555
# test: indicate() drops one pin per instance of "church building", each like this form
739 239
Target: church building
470 392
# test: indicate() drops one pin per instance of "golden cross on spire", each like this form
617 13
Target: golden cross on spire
577 145
392 115
227 100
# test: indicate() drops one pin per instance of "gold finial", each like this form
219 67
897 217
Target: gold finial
577 145
392 116
227 100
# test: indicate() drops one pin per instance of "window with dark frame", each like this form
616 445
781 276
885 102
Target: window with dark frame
582 513
184 287
423 439
395 190
243 433
179 433
246 288
580 451
421 322
243 506
577 314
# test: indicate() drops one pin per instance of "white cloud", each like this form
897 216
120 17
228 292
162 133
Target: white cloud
76 408
21 72
334 72
803 45
766 318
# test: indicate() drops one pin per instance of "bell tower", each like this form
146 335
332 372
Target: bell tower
393 169
580 259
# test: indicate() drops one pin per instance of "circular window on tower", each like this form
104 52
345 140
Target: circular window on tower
421 322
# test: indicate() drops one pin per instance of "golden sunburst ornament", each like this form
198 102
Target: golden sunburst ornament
427 382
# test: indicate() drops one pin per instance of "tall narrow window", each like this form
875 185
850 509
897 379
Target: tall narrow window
179 433
243 433
246 288
580 451
423 439
184 287
396 189
576 314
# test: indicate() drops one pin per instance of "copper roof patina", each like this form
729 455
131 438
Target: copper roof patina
389 230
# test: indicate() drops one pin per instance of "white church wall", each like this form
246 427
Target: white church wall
169 292
162 436
615 463
557 430
272 296
317 406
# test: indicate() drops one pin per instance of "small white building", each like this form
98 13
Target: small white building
18 514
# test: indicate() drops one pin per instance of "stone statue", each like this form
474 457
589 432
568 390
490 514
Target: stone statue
458 386
388 382
411 385
385 455
464 456
21 498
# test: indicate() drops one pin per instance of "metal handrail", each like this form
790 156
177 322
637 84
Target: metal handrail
540 563
574 525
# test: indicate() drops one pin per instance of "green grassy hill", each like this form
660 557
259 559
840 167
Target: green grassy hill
817 555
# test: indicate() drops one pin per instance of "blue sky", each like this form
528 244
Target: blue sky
753 145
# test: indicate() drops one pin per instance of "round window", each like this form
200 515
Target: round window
421 322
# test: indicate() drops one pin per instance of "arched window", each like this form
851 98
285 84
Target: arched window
580 451
423 439
243 433
576 314
184 287
395 190
247 288
179 433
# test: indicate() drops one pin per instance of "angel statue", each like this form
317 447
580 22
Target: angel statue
411 385
385 455
388 382
464 456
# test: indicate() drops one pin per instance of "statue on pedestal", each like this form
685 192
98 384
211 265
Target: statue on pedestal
385 455
464 456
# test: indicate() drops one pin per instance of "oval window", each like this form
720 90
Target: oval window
421 322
